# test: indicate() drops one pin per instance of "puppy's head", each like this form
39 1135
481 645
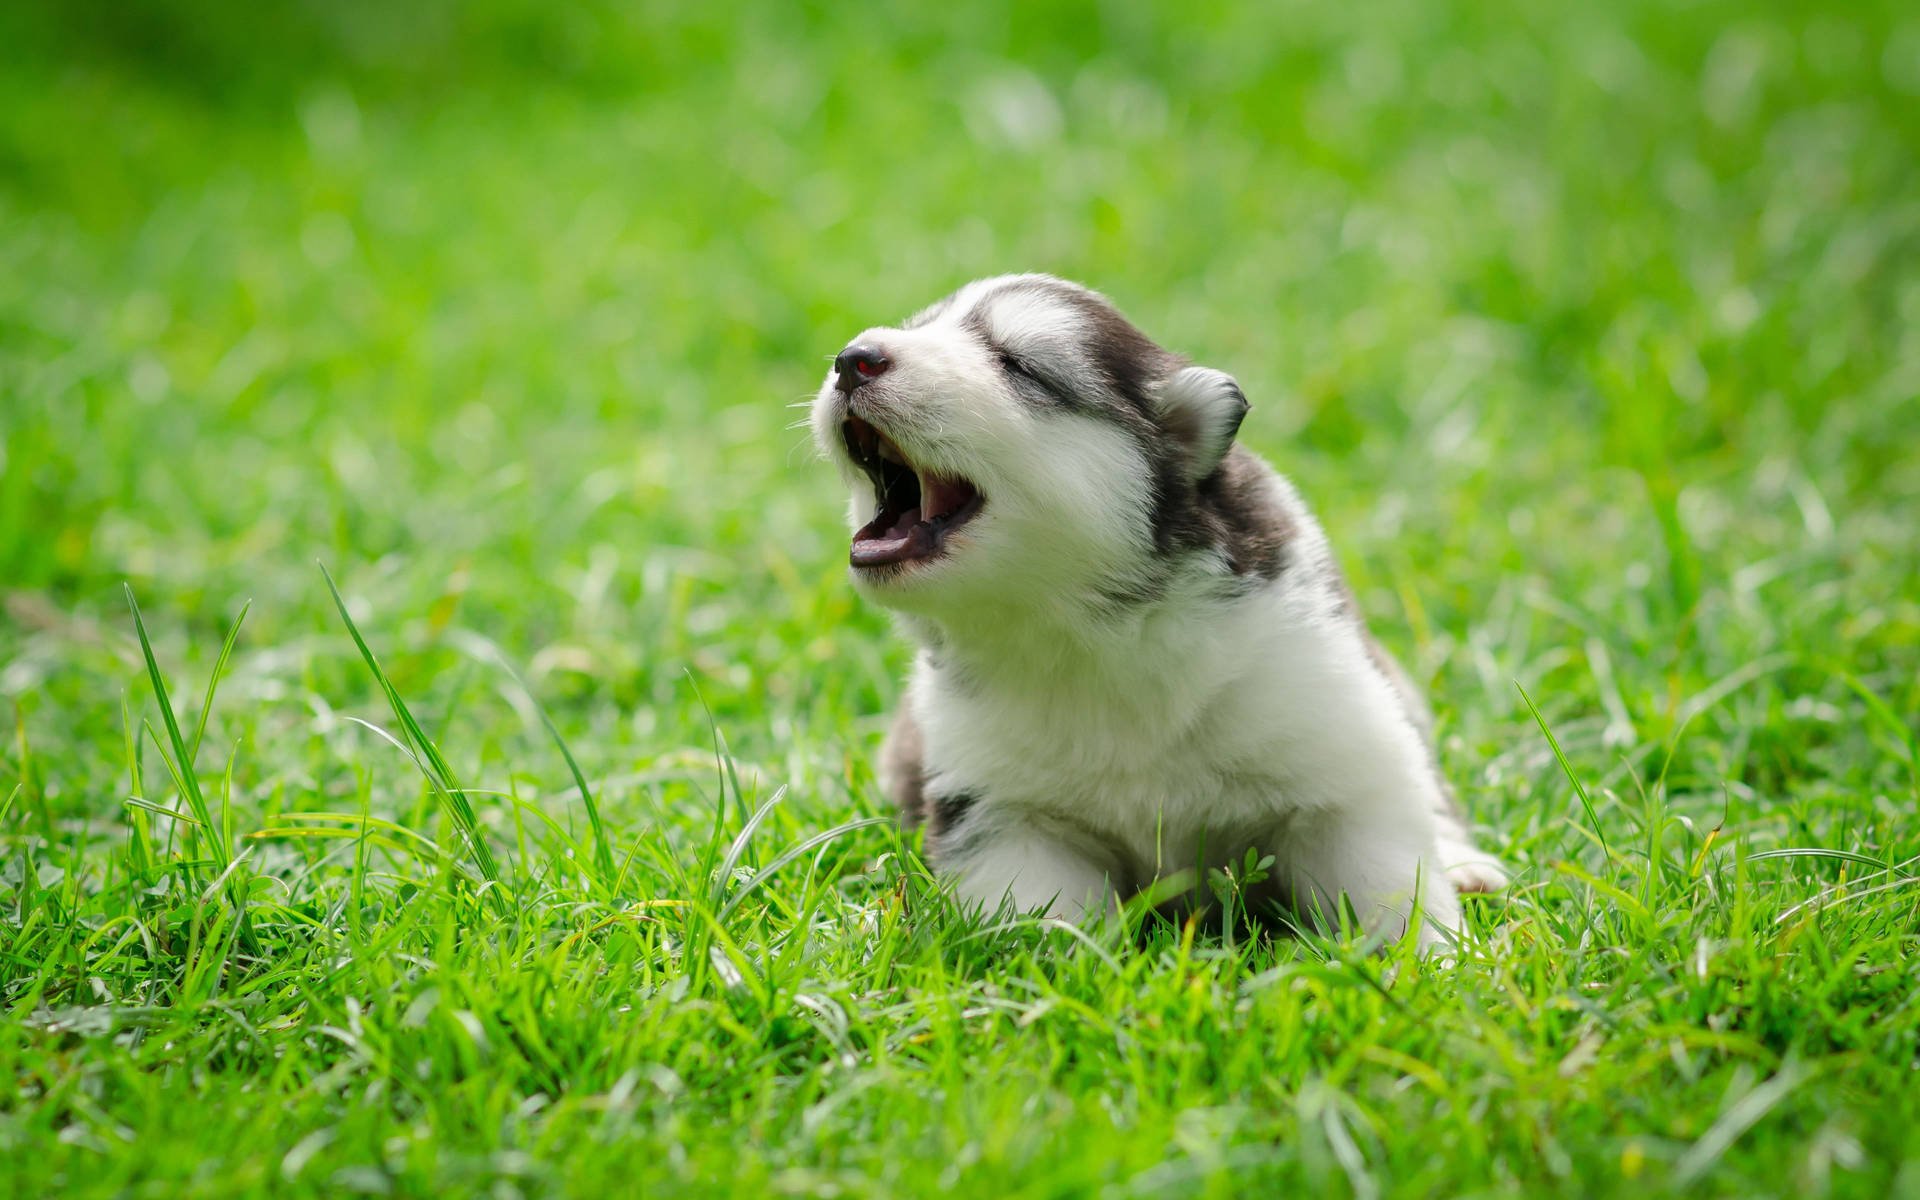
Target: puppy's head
1020 440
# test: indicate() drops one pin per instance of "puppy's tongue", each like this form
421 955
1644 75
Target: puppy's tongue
908 537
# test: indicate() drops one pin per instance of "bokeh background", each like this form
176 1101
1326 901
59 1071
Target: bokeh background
1593 332
507 298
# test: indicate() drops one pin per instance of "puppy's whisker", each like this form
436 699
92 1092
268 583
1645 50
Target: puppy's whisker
806 443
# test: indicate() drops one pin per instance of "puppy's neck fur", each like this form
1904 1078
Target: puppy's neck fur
1127 671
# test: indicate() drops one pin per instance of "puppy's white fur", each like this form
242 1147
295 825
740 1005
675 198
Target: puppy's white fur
1112 688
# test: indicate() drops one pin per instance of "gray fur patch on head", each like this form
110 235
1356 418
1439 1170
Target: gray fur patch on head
1067 346
1234 510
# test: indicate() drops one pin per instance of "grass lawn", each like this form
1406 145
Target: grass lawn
1592 331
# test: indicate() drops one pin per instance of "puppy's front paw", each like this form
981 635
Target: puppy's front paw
1477 877
1469 868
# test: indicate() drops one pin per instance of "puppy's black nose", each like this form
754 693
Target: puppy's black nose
857 364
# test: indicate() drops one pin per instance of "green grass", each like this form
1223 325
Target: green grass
1592 331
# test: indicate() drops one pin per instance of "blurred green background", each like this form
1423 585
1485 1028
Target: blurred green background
496 306
512 294
1593 332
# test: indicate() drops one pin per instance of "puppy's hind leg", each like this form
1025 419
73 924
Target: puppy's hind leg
903 774
1381 863
1365 799
1470 868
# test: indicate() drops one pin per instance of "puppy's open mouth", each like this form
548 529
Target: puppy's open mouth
914 510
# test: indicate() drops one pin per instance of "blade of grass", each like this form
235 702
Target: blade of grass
182 763
292 823
723 768
1822 852
139 839
439 775
602 850
739 846
213 681
149 806
788 855
1579 788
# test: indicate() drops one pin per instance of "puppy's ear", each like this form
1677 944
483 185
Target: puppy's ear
1203 408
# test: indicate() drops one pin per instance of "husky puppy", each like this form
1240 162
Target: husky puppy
1137 655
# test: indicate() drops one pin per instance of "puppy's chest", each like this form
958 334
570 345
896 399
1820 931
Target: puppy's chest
1155 772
